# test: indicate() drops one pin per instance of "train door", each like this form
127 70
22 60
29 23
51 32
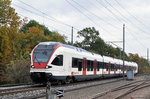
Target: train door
109 65
114 68
84 66
95 66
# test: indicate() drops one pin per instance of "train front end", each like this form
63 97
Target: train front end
41 55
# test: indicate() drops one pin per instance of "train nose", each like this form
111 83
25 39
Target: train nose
38 77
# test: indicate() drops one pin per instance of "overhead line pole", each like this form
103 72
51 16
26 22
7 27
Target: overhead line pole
72 36
148 55
123 47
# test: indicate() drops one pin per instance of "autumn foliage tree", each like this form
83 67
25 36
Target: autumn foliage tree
17 41
9 24
144 67
33 36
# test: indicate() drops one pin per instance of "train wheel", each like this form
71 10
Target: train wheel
59 82
68 80
73 79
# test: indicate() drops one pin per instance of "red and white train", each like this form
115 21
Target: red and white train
55 61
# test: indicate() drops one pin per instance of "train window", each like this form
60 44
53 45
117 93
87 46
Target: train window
106 66
121 67
112 67
79 65
101 65
74 63
92 66
88 66
117 67
58 60
98 66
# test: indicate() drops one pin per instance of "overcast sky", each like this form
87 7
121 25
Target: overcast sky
107 16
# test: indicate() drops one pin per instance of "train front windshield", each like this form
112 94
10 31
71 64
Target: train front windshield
42 53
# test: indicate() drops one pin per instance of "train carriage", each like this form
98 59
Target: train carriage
55 61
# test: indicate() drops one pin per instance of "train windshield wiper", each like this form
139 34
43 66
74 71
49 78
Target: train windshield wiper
36 59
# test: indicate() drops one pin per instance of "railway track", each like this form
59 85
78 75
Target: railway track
36 91
14 91
143 84
41 90
19 86
122 91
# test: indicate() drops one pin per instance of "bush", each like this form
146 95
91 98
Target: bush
18 72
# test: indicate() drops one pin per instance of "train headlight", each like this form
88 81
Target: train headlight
46 66
32 66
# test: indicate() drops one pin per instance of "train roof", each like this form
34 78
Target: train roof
106 58
68 46
49 43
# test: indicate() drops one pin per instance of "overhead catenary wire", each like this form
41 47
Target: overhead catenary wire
50 17
36 14
107 29
54 19
56 29
126 19
87 16
131 14
134 36
102 11
95 15
102 4
80 11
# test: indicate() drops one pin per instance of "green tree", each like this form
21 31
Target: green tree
89 36
93 42
34 23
